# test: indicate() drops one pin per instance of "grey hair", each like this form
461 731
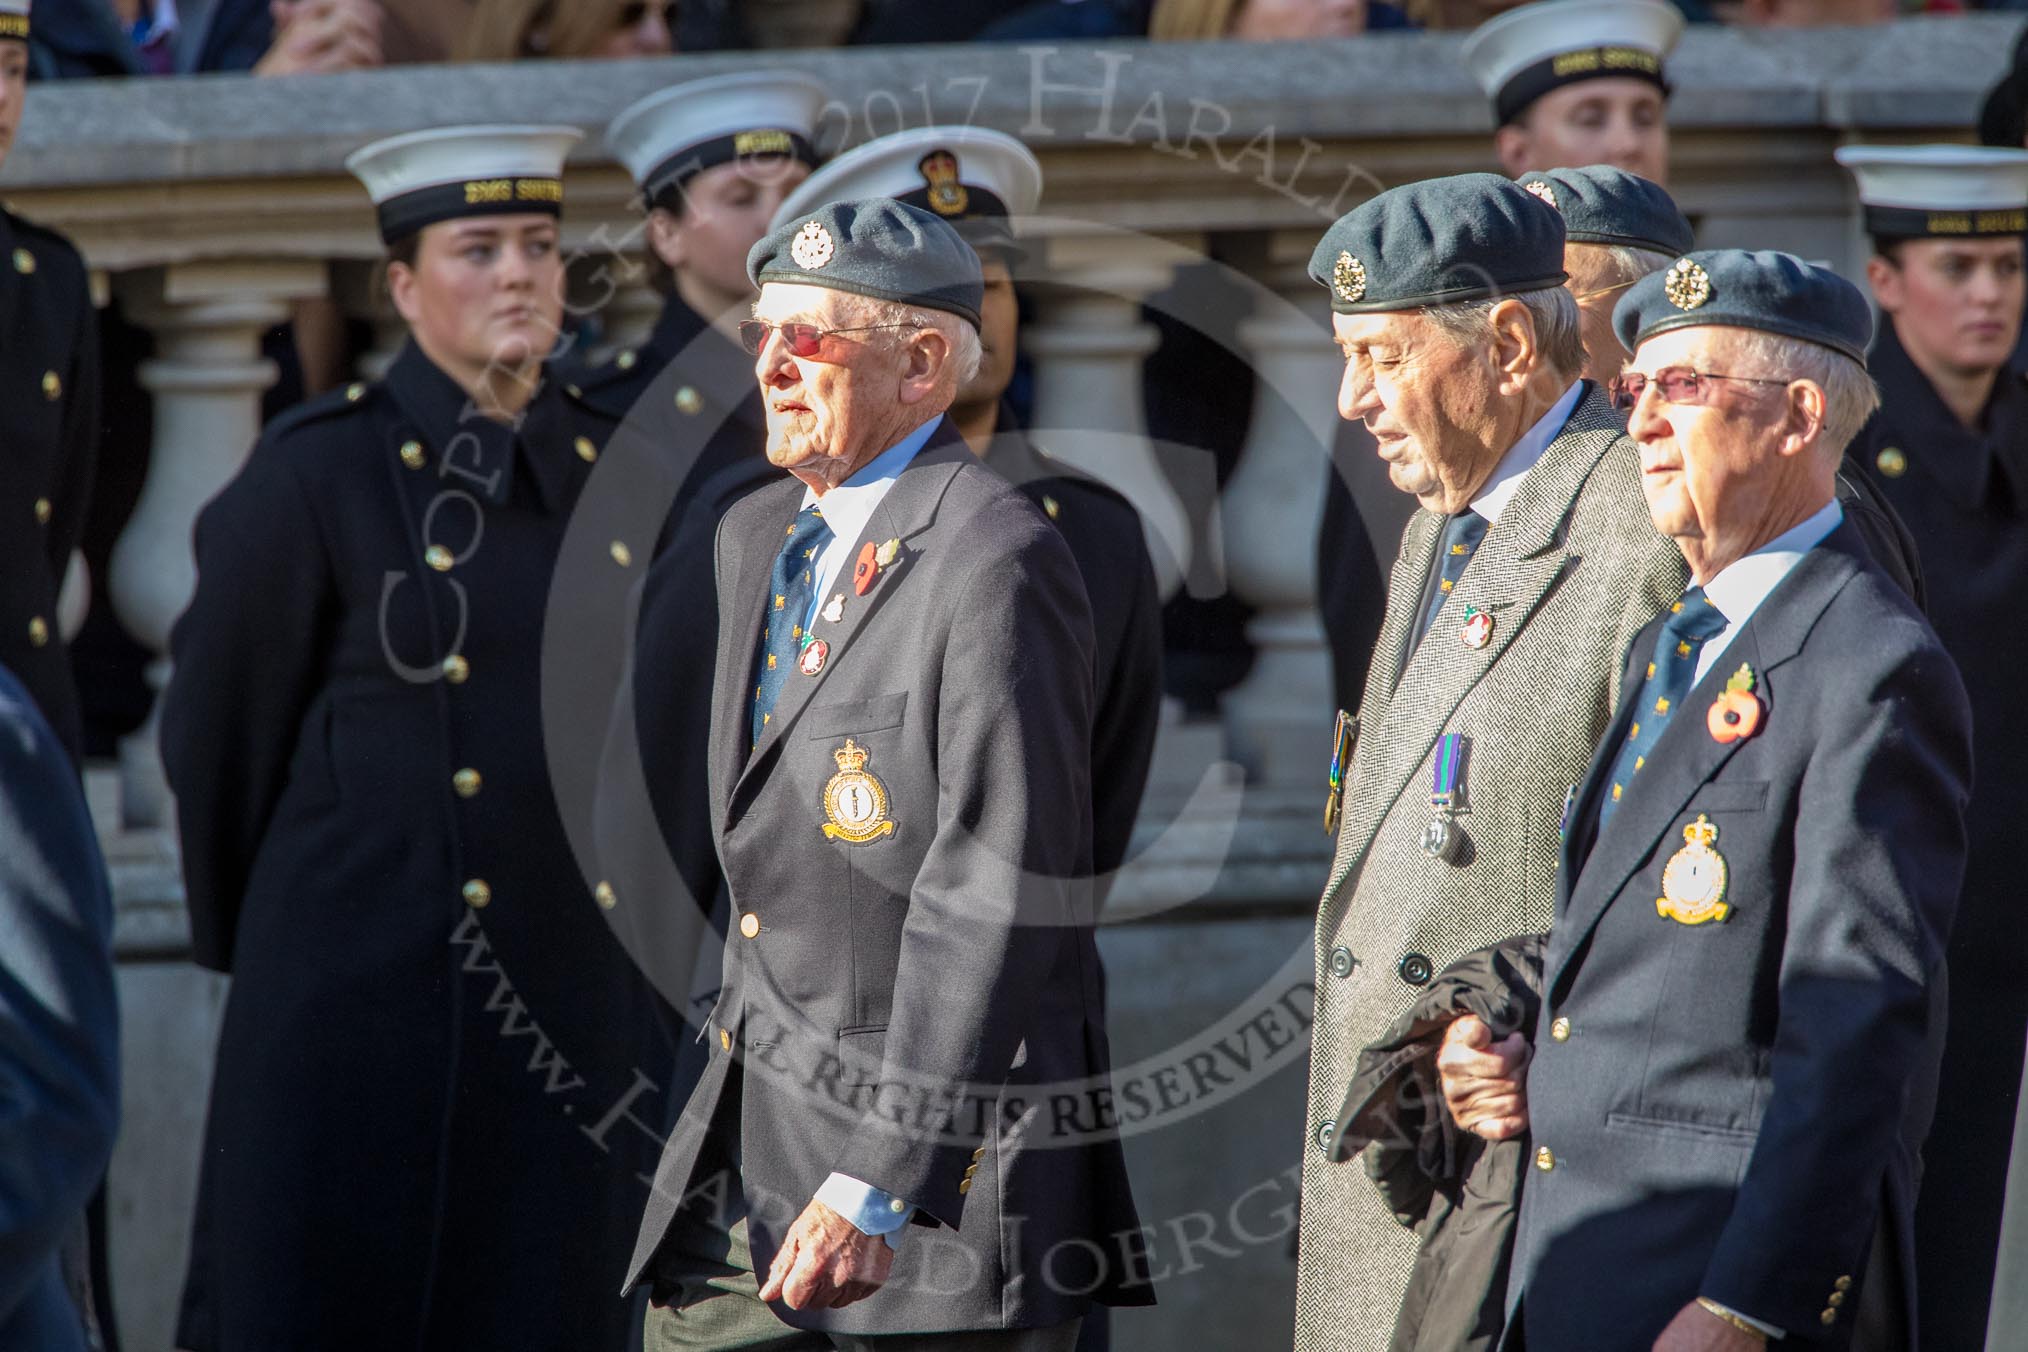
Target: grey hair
1850 396
1559 335
1624 264
958 333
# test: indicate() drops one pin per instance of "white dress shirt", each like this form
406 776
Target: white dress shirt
1522 456
1740 588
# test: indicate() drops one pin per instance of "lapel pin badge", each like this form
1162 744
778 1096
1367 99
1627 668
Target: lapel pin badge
815 653
1478 630
834 611
1736 713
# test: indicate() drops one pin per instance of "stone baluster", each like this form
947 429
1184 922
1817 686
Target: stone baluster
1278 718
206 380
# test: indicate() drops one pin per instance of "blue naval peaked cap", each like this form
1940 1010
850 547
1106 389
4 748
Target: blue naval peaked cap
1774 292
1608 206
1440 241
874 247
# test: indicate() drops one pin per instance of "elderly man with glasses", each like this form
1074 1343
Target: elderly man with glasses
1735 1056
900 781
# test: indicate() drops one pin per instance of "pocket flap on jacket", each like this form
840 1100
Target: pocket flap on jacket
855 715
1739 795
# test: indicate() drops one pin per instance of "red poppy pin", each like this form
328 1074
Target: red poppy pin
1735 715
864 571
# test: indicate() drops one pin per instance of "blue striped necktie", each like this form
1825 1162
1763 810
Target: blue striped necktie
791 588
1692 623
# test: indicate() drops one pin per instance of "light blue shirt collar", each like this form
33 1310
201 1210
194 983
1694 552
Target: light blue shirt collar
1522 456
1741 587
849 506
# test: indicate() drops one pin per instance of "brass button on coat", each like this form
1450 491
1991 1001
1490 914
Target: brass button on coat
604 895
412 454
689 401
354 393
964 1187
439 558
585 450
1560 1030
456 669
477 894
1545 1159
625 361
24 261
1843 1283
52 385
466 782
38 631
622 555
749 925
1828 1318
44 509
1891 461
724 1040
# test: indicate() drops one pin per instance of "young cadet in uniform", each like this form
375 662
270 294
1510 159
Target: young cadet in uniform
49 390
985 182
1950 445
1734 1058
1579 82
431 1023
1529 566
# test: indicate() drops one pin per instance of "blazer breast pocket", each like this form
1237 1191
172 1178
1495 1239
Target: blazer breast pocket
1735 795
855 716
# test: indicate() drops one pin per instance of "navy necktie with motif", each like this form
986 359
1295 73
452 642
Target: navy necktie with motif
1462 534
791 588
1692 623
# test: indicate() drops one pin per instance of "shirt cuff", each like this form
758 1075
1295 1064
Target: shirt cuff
1769 1329
871 1211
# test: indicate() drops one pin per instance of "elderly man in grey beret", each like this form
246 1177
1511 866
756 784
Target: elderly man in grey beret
1736 1051
900 784
1530 566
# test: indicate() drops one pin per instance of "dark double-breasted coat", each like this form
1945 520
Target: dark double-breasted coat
49 391
911 973
440 1078
1964 494
1733 1109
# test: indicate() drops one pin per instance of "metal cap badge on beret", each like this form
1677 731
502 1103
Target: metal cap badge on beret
1940 192
874 247
1439 241
1519 56
1604 205
1774 292
671 136
448 173
981 180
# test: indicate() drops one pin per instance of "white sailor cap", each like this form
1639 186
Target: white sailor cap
1957 192
1521 55
669 136
982 181
14 20
423 177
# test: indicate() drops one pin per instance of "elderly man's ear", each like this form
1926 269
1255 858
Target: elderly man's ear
924 373
1803 421
1516 349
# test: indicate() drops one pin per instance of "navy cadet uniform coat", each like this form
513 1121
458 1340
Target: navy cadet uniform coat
897 1009
425 1124
1105 537
1733 1109
49 389
1964 494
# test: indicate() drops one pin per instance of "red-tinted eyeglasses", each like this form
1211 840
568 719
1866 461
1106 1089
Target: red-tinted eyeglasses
802 340
1678 384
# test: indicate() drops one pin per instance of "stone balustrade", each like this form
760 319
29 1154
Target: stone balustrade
210 205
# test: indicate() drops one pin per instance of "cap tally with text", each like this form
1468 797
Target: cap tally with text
449 173
1519 56
1604 205
983 181
1774 292
1940 192
874 247
1440 241
670 137
14 20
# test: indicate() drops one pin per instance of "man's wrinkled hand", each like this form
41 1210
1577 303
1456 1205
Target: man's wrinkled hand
319 37
1485 1083
826 1262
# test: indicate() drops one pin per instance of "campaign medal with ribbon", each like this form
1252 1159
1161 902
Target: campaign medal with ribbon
855 801
1443 839
1341 761
1693 881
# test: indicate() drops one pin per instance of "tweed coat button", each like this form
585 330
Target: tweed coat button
689 401
1545 1159
1415 969
466 782
456 669
1327 1131
749 925
477 894
1342 961
44 509
1560 1030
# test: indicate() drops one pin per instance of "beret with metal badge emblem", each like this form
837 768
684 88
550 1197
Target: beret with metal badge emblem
1438 242
875 247
1604 205
1774 292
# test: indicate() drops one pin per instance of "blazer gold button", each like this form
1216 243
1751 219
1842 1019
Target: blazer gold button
38 631
439 558
625 361
1545 1159
43 510
604 895
574 392
964 1187
980 1153
466 782
622 555
1837 1299
585 450
24 261
1843 1284
689 401
412 454
477 894
749 925
1891 462
456 669
1560 1030
724 1040
52 385
1828 1317
1342 962
354 393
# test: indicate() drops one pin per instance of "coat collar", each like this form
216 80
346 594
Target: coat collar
1973 466
1596 867
481 450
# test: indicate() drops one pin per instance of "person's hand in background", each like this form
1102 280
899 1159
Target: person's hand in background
319 37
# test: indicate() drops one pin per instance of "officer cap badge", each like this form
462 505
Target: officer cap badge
813 247
1687 285
947 196
1348 279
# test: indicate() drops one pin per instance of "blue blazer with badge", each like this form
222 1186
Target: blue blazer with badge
1733 1109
